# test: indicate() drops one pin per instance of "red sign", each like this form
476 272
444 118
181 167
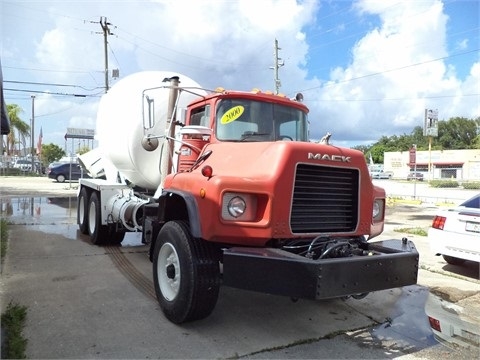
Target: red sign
413 155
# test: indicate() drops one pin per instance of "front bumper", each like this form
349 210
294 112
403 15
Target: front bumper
278 272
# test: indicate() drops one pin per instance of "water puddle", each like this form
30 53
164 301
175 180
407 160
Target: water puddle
31 210
409 327
421 319
47 213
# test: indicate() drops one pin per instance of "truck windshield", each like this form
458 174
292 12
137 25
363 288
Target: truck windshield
249 120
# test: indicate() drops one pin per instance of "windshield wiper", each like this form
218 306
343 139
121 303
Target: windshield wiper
249 134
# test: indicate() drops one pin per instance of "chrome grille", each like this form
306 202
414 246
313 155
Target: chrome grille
325 199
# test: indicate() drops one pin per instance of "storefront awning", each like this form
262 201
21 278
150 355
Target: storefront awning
437 163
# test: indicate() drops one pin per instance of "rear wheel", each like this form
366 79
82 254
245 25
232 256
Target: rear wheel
61 178
453 260
82 211
98 232
186 274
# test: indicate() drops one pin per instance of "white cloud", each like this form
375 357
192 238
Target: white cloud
392 77
383 89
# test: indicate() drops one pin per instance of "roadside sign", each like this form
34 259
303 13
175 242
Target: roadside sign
76 133
413 156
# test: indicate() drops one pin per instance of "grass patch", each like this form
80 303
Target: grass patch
3 237
13 321
413 231
400 200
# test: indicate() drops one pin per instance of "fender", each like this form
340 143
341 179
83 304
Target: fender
181 201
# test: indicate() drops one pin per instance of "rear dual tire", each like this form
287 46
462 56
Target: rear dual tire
90 222
82 211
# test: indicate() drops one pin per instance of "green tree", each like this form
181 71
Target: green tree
18 128
364 149
457 133
377 152
418 139
51 153
477 139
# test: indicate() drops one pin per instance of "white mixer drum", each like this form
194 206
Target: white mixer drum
123 120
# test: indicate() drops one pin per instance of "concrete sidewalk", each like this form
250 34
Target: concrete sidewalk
11 186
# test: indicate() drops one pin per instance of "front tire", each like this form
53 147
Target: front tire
186 274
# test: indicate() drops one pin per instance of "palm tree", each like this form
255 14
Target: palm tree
17 125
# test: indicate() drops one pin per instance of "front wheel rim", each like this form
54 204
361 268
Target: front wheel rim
168 270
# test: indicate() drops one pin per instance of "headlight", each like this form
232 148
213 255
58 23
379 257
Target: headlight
236 206
239 206
378 209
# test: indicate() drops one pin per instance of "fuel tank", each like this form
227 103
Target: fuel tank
134 107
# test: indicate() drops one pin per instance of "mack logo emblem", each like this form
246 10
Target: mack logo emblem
327 157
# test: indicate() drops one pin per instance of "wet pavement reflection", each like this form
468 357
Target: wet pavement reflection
46 213
409 328
38 210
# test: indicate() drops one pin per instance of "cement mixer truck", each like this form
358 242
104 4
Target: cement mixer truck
227 190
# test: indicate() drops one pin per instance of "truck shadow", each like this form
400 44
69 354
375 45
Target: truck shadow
470 269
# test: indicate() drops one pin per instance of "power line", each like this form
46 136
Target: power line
215 60
389 70
52 93
392 99
50 84
48 70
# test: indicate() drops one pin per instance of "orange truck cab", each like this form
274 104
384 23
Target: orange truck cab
253 204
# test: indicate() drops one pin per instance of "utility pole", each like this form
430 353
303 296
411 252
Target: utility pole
106 31
32 151
278 62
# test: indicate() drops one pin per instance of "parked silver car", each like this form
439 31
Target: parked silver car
415 176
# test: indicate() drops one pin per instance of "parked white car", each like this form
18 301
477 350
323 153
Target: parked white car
23 164
455 233
381 174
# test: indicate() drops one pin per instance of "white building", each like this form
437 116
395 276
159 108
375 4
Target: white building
437 164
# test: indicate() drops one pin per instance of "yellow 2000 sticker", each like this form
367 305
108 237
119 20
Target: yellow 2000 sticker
232 114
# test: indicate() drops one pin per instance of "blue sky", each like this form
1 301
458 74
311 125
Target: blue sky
366 68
